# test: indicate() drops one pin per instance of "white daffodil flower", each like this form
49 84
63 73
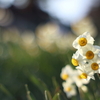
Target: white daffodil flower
77 59
78 80
89 52
86 58
83 40
93 66
69 89
66 72
85 73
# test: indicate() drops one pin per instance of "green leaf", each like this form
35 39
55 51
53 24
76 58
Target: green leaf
56 97
5 90
39 83
28 93
48 95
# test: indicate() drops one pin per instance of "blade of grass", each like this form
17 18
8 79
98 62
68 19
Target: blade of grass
56 97
39 83
48 95
28 93
4 89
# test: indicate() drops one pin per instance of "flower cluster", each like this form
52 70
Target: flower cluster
87 57
71 77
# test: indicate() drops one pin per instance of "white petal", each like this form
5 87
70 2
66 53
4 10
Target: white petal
75 44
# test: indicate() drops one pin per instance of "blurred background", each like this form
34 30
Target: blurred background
36 43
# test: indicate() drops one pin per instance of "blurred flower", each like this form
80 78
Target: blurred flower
78 79
29 43
86 24
51 39
66 72
64 41
6 17
28 38
46 36
11 35
69 89
72 77
2 14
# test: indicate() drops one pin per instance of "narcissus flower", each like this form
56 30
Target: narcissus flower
85 73
69 89
93 66
72 76
77 59
87 60
83 40
78 79
66 72
87 57
89 52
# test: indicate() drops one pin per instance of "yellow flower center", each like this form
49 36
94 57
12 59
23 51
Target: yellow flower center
79 76
68 89
82 41
74 62
89 55
95 66
83 76
64 76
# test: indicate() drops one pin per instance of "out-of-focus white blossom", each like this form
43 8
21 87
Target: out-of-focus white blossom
85 24
78 79
51 39
69 89
66 72
71 77
64 41
28 42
